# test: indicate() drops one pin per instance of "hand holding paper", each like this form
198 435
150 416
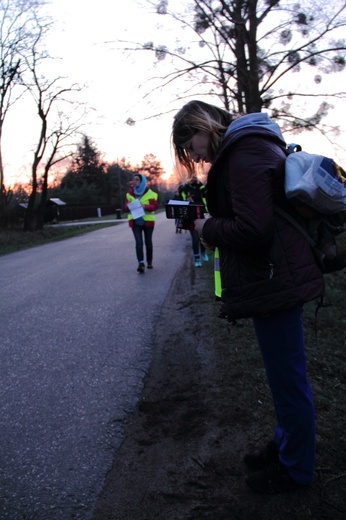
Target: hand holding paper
136 209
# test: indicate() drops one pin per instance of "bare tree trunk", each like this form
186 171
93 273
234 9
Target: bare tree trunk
41 212
3 198
253 98
29 221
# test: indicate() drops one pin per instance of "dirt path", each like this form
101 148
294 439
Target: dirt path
205 404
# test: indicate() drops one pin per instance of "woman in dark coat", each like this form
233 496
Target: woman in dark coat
267 270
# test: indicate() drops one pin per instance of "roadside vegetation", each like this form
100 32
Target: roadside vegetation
206 404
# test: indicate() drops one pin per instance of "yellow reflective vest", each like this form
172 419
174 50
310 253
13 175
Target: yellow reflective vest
217 274
193 193
149 216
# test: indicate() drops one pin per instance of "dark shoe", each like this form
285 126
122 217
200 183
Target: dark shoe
272 480
141 268
262 459
150 266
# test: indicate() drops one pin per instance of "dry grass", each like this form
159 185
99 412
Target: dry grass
206 403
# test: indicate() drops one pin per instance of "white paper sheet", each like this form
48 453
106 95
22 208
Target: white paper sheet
136 209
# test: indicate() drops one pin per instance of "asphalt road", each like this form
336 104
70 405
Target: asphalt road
76 321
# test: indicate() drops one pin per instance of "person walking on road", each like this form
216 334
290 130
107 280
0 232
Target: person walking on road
194 191
141 203
267 270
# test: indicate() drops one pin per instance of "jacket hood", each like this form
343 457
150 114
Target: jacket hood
141 188
257 120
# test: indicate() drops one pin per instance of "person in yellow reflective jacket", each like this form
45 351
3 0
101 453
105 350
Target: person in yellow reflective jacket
141 203
194 191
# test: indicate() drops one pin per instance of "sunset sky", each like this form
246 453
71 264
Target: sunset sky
84 37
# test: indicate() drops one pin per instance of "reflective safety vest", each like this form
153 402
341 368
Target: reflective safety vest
196 195
217 274
144 199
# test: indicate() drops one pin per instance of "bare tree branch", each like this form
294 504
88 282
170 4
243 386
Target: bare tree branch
245 52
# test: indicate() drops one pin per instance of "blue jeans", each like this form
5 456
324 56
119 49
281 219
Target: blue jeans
281 340
138 232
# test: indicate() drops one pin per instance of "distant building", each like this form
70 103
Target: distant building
52 210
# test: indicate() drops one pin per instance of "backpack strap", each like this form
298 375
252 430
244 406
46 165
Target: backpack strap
312 243
319 255
296 224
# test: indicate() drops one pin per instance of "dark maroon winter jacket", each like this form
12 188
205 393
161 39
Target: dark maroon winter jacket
266 264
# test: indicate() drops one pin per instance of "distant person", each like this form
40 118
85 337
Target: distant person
267 270
194 191
142 218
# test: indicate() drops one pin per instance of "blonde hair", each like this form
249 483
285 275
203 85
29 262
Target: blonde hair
198 116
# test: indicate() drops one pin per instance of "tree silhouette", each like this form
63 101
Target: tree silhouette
55 132
87 180
20 25
250 55
120 173
152 169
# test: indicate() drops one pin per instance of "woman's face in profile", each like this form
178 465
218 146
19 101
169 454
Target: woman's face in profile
198 147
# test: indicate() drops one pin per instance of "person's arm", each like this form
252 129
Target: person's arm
152 206
125 207
179 193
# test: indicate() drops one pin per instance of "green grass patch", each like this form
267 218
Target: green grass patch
12 240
